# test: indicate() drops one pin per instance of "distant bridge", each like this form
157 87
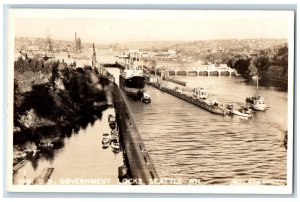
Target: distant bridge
205 70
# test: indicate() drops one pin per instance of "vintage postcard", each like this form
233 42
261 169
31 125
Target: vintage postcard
171 101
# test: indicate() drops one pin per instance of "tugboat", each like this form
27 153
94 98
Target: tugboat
257 102
146 98
131 79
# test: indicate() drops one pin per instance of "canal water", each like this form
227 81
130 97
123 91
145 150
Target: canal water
81 161
187 142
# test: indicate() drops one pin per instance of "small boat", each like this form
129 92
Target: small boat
257 102
105 146
114 132
111 118
240 113
122 172
243 111
115 145
114 135
112 125
259 105
146 98
105 139
200 93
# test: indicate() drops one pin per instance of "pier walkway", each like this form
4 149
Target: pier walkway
214 108
140 163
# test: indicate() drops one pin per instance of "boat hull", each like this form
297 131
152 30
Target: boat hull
261 107
235 112
257 103
105 146
133 86
105 141
115 145
144 100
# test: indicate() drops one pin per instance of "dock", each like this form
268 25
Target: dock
138 159
174 81
215 109
19 165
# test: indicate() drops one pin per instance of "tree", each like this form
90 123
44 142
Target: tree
280 58
55 74
263 63
18 99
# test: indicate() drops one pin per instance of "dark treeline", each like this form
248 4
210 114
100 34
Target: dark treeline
268 64
35 65
48 114
57 108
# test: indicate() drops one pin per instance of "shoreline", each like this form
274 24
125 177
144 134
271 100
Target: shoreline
48 108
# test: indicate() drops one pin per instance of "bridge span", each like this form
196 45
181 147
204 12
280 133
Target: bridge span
204 70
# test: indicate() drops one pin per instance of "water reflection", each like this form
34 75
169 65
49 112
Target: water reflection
52 142
267 84
78 153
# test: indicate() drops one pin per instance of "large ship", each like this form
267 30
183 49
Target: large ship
131 78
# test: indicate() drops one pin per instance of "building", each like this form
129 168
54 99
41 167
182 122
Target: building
94 58
77 43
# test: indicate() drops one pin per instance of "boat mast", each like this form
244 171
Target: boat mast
257 85
136 58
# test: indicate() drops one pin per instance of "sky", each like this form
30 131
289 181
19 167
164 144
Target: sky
118 26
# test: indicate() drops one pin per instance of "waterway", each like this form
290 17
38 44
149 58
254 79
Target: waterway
81 160
186 142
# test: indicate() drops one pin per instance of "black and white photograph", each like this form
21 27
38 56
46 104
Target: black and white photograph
150 101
